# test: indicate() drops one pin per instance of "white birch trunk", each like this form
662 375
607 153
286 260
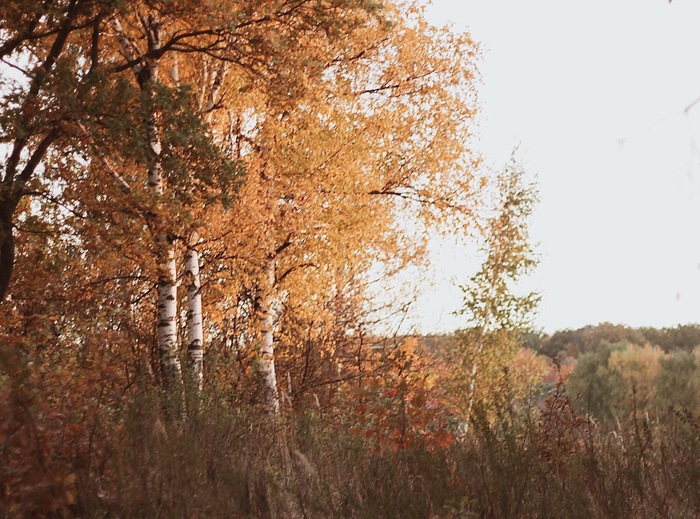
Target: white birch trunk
267 331
146 73
215 89
194 322
167 282
195 331
167 314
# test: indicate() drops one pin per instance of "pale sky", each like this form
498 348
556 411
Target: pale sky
594 94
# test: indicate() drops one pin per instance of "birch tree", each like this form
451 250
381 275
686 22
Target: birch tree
379 135
194 325
496 313
194 328
166 30
146 68
345 115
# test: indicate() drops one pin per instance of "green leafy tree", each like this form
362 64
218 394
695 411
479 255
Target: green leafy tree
638 366
573 343
594 384
684 337
618 380
496 314
678 383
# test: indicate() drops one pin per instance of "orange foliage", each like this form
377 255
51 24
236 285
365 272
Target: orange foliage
402 409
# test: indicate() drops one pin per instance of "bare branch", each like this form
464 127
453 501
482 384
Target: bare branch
130 50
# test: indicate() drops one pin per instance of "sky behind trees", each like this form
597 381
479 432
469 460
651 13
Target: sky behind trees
593 94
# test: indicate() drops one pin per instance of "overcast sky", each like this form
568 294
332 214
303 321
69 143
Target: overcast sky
594 93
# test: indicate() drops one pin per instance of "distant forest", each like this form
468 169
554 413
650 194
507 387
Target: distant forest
610 371
574 343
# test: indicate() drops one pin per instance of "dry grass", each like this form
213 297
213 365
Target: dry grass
226 462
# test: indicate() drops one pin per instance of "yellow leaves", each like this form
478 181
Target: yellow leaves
639 367
527 370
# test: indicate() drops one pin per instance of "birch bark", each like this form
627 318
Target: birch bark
146 72
167 313
267 349
195 332
194 322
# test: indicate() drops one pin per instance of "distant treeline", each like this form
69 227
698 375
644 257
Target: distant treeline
574 343
612 372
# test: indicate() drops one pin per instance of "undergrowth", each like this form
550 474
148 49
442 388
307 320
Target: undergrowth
226 460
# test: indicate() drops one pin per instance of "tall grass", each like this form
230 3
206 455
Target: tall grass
233 462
